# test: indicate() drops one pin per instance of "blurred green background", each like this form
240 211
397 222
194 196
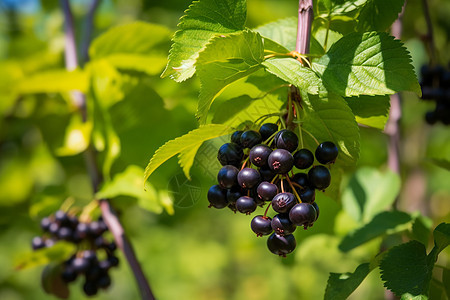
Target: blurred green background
196 252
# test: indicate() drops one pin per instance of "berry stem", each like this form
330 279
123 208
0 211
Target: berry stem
245 163
299 124
274 179
79 100
282 185
293 189
311 135
267 209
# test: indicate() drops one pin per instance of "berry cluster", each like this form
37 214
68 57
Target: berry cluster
95 256
436 86
258 168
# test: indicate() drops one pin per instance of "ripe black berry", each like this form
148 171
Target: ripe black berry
248 178
217 197
283 202
302 214
37 243
236 137
65 233
61 217
267 130
104 281
319 177
266 173
69 275
246 205
266 191
80 265
303 159
230 154
281 245
45 223
307 195
261 225
301 179
282 225
326 153
227 176
281 161
286 139
250 138
233 194
90 288
317 210
259 155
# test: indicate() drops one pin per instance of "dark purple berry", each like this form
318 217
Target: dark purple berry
104 281
49 243
113 260
283 202
302 214
248 178
281 245
282 225
227 176
317 210
431 117
104 265
326 153
307 195
233 194
230 154
37 243
246 205
319 177
97 228
266 173
259 155
281 161
68 275
90 255
250 138
267 130
80 265
111 247
61 217
45 224
301 179
236 137
261 225
286 139
82 230
65 233
217 197
266 190
53 228
303 159
90 288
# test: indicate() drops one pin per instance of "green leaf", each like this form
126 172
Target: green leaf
137 46
378 15
371 111
203 20
186 159
330 119
77 137
371 63
191 139
405 269
408 296
369 192
292 71
441 162
129 183
341 285
446 281
384 223
441 236
225 60
421 229
52 283
57 81
57 253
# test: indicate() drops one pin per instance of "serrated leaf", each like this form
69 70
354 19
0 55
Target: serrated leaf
371 111
369 192
330 119
186 159
341 285
187 141
57 253
292 71
203 20
388 222
129 183
405 269
57 81
378 15
370 63
225 60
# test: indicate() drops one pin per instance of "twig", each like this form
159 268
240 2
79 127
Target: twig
430 35
305 18
108 213
87 34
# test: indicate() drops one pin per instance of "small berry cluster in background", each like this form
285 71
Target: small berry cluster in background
258 168
94 257
436 87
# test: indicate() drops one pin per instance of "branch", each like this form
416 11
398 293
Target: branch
108 212
429 36
87 34
305 18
